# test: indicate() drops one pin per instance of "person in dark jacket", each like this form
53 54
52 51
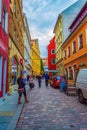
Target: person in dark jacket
46 79
39 80
21 89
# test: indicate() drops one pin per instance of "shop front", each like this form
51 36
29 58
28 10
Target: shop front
3 68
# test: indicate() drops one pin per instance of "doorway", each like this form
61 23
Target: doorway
4 76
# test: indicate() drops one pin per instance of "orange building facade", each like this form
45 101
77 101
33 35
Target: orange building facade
75 46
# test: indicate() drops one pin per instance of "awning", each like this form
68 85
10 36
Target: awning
53 71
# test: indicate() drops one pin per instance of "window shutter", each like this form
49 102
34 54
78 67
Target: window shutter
0 10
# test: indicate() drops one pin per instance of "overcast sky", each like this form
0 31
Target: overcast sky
42 16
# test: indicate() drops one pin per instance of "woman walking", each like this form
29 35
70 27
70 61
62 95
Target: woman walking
21 89
31 82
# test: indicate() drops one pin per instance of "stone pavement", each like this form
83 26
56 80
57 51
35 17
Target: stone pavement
50 109
10 111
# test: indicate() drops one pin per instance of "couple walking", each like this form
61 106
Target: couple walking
46 79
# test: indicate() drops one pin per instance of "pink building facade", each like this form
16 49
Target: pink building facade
51 57
4 41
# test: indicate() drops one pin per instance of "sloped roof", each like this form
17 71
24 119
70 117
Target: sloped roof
69 15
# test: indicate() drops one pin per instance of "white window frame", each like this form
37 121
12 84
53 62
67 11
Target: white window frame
78 42
86 35
52 50
5 22
0 10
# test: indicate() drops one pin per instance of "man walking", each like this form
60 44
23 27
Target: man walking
39 80
46 79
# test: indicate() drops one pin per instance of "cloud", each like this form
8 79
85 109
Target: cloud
42 16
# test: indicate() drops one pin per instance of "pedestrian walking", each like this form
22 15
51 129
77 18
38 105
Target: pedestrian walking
21 89
31 82
39 80
46 79
28 79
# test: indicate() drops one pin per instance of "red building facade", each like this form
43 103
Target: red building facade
51 56
4 41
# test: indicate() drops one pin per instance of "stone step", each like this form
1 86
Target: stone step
71 91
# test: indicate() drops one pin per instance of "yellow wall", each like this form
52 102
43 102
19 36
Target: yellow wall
35 58
16 37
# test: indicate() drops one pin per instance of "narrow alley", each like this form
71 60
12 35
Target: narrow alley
50 109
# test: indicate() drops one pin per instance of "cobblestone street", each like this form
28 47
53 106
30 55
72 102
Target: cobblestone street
50 109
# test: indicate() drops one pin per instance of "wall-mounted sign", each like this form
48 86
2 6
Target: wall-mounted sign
21 61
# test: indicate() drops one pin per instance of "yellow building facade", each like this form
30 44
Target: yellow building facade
59 41
35 57
16 43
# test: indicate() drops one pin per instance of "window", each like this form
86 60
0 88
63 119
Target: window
0 9
65 54
80 41
0 72
52 51
5 21
86 36
53 61
74 47
69 51
15 9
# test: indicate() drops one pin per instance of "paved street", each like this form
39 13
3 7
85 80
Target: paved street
49 109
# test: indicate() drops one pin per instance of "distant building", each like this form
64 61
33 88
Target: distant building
27 48
51 57
45 63
35 57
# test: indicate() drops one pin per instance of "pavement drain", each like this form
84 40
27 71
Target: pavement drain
68 127
72 126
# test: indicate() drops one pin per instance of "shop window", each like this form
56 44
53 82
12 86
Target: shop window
14 71
4 76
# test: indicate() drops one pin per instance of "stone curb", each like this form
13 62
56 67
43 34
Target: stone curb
12 124
14 120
